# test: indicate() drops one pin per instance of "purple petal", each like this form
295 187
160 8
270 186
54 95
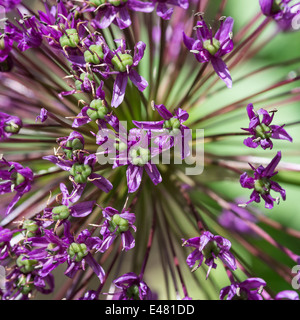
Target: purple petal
123 20
138 80
100 182
134 177
222 71
119 89
82 209
163 11
153 173
279 133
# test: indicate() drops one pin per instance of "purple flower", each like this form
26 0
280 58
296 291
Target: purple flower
262 183
138 156
281 12
50 251
81 171
43 116
234 219
20 285
249 289
66 208
9 125
27 34
209 247
212 48
173 132
123 65
133 288
6 45
9 4
262 131
287 295
15 178
116 11
164 11
117 224
5 237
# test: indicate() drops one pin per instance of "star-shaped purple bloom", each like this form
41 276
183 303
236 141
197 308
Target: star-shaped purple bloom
262 183
117 224
137 156
249 289
117 12
123 64
170 131
262 130
212 48
15 178
209 247
9 125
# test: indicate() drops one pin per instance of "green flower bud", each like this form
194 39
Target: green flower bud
122 60
60 213
26 265
262 131
24 286
173 125
2 43
276 7
12 127
116 3
31 227
78 83
121 224
97 3
140 156
70 39
50 248
133 292
120 146
94 56
80 172
74 145
17 178
262 186
77 251
212 46
211 247
100 110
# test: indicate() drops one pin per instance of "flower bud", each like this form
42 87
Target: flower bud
94 54
121 61
98 111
